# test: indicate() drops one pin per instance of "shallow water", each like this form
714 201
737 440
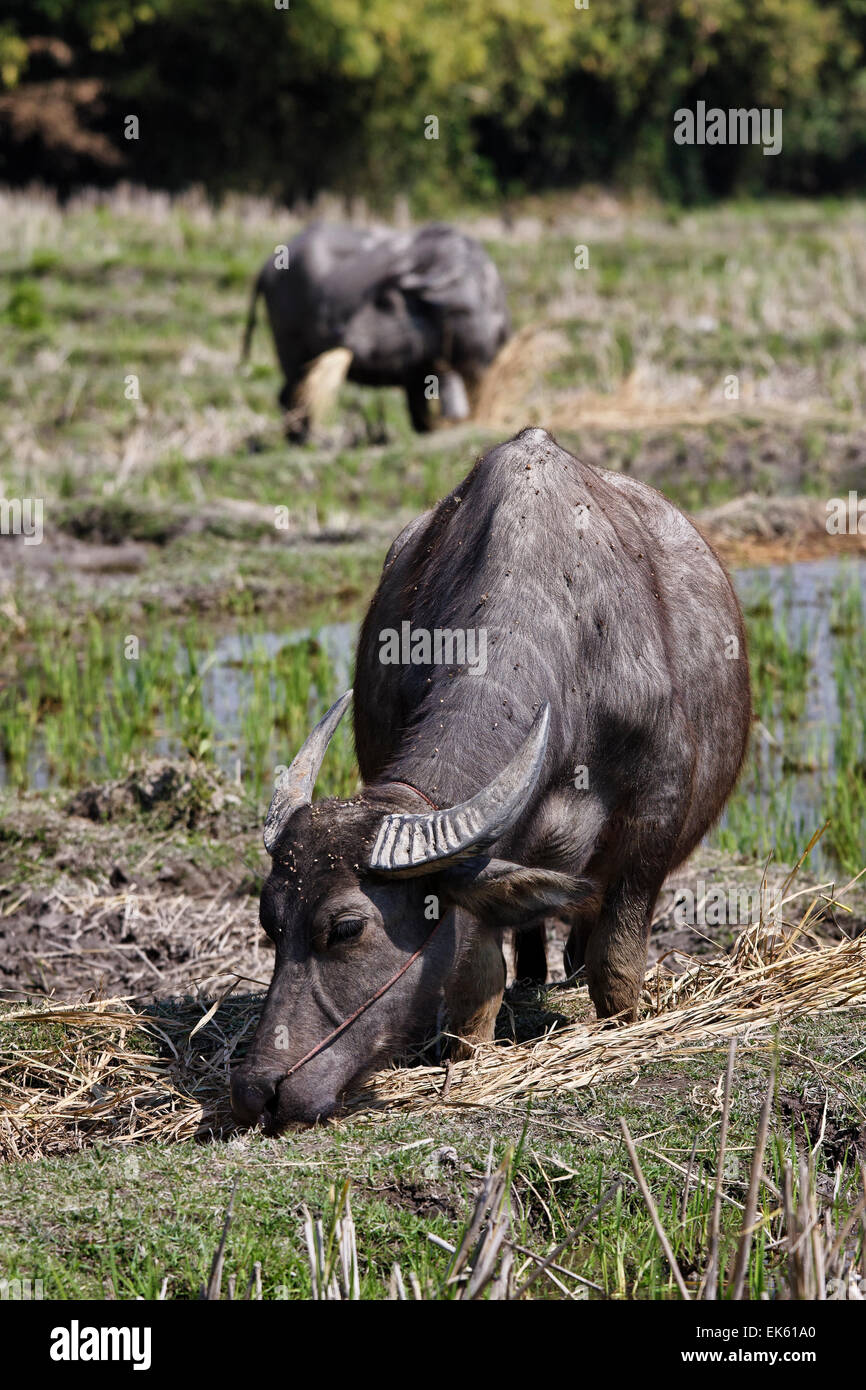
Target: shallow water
793 764
229 682
803 592
790 765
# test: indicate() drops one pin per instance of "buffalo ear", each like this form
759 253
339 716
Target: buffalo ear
509 894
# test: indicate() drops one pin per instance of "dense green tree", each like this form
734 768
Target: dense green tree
341 94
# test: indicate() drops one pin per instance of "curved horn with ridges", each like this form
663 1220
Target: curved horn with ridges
411 844
294 786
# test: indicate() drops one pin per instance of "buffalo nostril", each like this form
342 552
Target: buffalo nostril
251 1096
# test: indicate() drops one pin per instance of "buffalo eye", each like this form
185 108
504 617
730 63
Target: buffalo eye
345 929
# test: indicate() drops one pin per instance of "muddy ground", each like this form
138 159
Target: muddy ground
147 887
146 559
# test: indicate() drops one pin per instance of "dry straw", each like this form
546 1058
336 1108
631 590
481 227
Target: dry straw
107 1071
317 392
516 375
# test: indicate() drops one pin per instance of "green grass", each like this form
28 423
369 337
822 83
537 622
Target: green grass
810 773
142 289
74 707
103 290
123 1219
87 702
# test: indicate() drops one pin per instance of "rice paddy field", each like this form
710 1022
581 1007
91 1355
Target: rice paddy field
191 608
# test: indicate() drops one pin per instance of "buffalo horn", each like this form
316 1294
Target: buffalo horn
294 786
411 844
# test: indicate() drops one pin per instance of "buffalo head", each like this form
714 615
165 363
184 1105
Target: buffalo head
356 888
392 333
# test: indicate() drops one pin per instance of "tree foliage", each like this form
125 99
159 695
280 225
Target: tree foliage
337 94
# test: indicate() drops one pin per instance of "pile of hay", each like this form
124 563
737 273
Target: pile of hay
511 389
316 394
107 1071
711 1003
78 941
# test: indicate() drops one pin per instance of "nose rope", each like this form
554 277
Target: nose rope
347 1022
353 1018
418 792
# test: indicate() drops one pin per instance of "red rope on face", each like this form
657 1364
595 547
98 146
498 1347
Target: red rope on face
417 791
347 1023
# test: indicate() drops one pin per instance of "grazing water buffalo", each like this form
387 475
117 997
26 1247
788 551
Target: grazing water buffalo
409 306
597 747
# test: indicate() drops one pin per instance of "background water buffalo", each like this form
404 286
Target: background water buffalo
589 760
409 306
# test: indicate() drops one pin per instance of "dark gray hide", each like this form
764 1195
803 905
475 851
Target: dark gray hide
408 305
601 602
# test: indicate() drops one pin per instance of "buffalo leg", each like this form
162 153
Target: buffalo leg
296 420
419 406
453 397
616 948
575 949
475 998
